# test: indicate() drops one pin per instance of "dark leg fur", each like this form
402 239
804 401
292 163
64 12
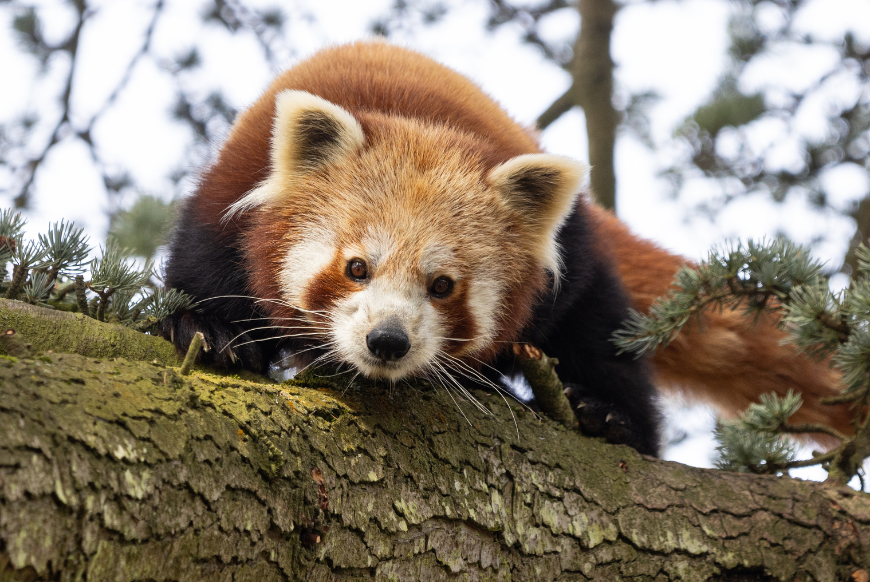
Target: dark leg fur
612 394
228 345
205 265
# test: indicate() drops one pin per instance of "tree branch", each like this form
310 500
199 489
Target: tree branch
22 199
133 471
563 104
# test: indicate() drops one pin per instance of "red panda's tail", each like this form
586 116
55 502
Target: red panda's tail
727 359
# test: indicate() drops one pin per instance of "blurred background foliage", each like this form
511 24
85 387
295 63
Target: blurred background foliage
143 227
718 143
719 134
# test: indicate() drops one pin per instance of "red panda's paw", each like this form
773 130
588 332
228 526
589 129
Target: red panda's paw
598 418
226 345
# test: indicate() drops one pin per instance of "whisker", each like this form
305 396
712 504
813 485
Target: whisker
484 364
462 390
256 329
286 327
500 390
323 358
476 374
317 347
503 390
346 388
339 372
277 337
450 394
282 302
296 319
461 339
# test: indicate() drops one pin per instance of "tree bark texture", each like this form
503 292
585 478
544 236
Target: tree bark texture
116 469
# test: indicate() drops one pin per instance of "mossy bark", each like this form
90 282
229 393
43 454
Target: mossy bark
117 469
62 331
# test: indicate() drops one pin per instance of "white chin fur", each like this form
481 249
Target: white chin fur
361 312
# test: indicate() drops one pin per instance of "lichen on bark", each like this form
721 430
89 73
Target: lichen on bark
117 469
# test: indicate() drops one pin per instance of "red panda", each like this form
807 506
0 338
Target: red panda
379 210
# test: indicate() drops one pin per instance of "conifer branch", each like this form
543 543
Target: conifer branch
813 429
24 256
11 227
114 272
38 290
781 277
754 276
66 248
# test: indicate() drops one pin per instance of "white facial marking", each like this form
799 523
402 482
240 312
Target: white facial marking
304 261
376 246
438 260
361 312
484 300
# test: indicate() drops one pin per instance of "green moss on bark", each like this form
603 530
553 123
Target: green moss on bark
62 331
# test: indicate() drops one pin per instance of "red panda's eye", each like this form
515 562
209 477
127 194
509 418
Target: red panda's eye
357 270
441 287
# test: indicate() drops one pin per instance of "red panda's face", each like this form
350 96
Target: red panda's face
403 266
395 306
394 250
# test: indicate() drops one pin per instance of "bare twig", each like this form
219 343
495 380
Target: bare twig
192 352
540 372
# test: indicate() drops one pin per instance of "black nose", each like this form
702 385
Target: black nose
388 343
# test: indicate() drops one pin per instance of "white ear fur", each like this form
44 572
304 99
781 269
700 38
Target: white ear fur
308 133
542 189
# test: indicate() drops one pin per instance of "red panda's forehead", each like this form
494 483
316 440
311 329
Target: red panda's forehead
427 212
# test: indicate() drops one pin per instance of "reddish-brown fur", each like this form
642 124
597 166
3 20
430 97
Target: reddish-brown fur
727 360
328 287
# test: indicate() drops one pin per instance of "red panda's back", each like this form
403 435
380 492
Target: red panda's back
360 77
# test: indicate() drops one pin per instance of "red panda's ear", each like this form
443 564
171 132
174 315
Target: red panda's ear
311 132
542 189
308 133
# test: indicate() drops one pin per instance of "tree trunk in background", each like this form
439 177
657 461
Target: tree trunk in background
112 469
592 90
862 235
593 76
